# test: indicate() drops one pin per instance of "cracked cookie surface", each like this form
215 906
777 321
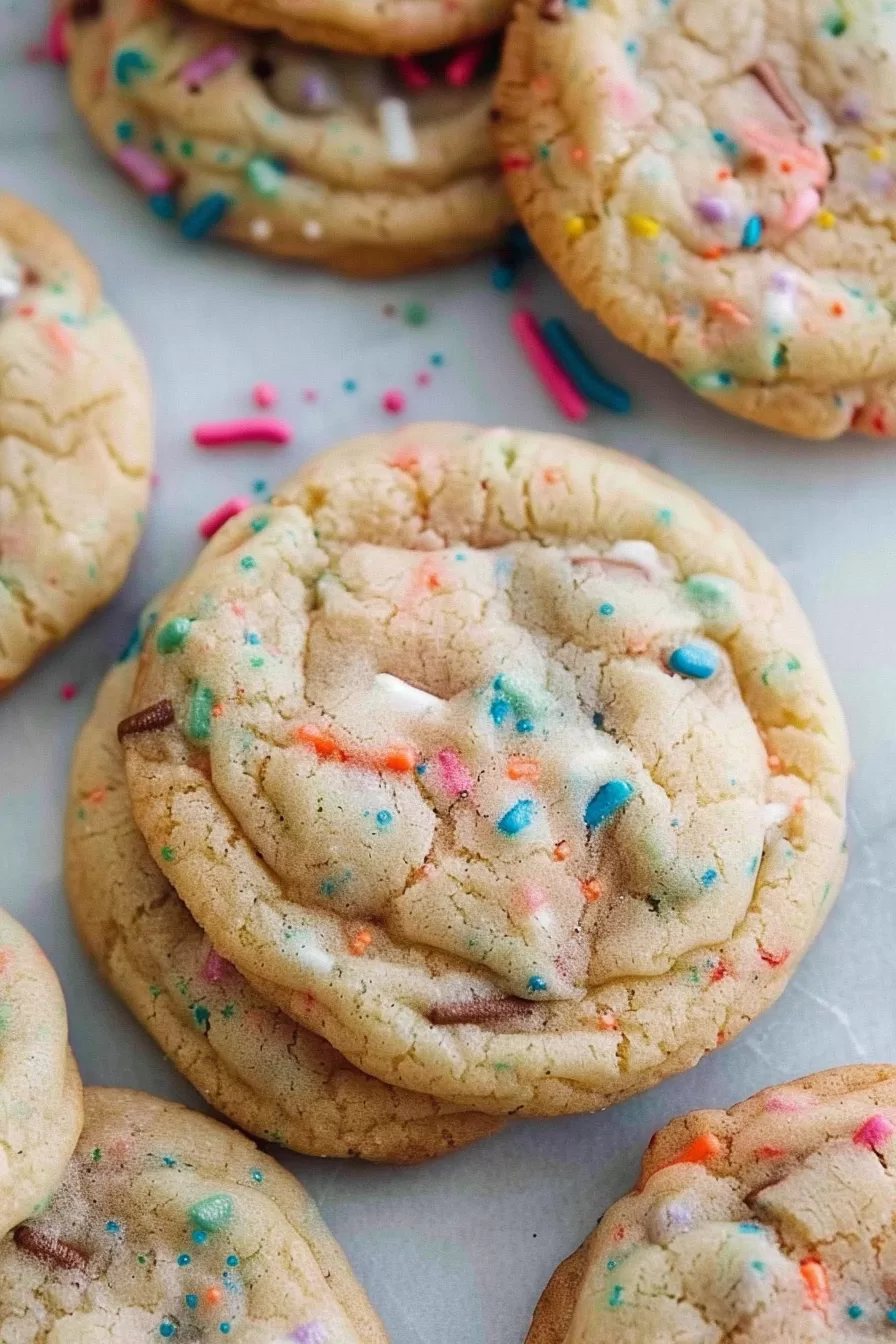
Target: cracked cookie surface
773 1221
512 751
75 439
296 152
265 1072
40 1091
717 185
170 1225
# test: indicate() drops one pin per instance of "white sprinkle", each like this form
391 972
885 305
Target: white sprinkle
406 696
315 958
10 287
260 229
666 1220
312 229
397 131
643 554
774 814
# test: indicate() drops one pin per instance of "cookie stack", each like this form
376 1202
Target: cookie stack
479 772
373 157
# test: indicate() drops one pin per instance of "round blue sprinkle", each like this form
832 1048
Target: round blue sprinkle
854 1311
167 1329
349 385
252 638
518 817
224 1327
383 817
707 878
891 1316
499 710
609 798
752 231
205 216
191 1300
606 608
199 1236
112 1226
437 360
257 1176
537 984
420 769
183 1259
233 1260
525 726
694 660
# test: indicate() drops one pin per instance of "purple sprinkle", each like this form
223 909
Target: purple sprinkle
713 209
316 90
881 180
783 282
853 109
315 1332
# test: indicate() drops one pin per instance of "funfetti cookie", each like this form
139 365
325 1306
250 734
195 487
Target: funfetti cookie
169 1225
295 152
512 752
264 1071
40 1090
773 1221
716 183
75 439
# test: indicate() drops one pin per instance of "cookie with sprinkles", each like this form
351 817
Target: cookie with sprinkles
771 1221
264 1071
514 753
718 183
346 161
169 1225
75 439
40 1090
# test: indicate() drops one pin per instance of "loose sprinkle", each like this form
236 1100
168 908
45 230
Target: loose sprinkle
50 1250
608 799
579 369
694 660
265 395
393 401
552 377
159 715
211 523
256 429
518 817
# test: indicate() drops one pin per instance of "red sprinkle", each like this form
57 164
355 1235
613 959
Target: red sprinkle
461 68
226 433
57 42
219 516
393 401
413 74
265 395
68 691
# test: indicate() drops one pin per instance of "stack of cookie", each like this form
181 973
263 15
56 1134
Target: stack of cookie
373 157
478 773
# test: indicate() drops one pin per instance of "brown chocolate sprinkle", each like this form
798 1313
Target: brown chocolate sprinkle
459 1011
147 720
50 1250
551 10
779 93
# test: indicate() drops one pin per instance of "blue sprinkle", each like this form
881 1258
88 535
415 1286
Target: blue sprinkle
758 1265
503 276
518 817
163 204
191 1300
499 710
525 726
132 648
707 878
891 1316
854 1311
125 130
437 361
183 1259
694 660
169 1161
749 1227
752 231
631 48
112 1226
384 817
199 1236
420 769
259 487
252 638
129 63
537 984
597 720
615 1295
606 608
349 385
257 1176
609 798
224 1327
233 1260
205 216
167 1329
580 370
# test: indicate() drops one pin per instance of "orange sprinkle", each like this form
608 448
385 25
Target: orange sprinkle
815 1277
360 943
712 253
837 310
308 735
57 335
768 1151
217 711
561 851
637 646
723 174
591 890
25 310
552 475
5 958
774 762
212 1296
399 759
725 308
619 1234
702 1149
607 1021
98 796
523 767
406 459
542 84
577 155
786 166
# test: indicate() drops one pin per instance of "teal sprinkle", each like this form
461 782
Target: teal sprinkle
544 151
184 1259
779 358
611 1264
705 593
248 562
420 769
199 713
125 130
163 204
854 1311
664 516
350 385
201 1015
253 638
615 1295
753 865
205 216
128 64
518 817
169 1161
384 817
610 797
438 360
606 608
259 487
891 1316
750 1227
499 710
187 148
132 648
192 1301
752 231
233 1260
211 1213
172 634
758 1265
167 1329
257 1176
597 720
259 524
525 726
256 662
415 314
835 25
264 177
224 1327
112 1226
537 984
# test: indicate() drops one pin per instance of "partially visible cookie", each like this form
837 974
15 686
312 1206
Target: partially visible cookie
40 1091
716 183
169 1225
774 1221
75 439
512 752
299 153
264 1071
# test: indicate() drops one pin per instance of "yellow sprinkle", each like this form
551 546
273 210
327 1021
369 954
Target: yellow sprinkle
643 226
575 226
825 220
877 153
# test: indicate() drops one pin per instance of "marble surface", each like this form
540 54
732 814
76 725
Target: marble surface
455 1252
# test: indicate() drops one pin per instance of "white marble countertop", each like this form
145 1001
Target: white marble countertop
455 1252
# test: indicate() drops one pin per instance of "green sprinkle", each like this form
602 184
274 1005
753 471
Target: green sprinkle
415 314
172 635
257 1176
167 853
199 714
664 516
264 178
259 524
212 1213
187 148
248 562
201 1015
96 1155
615 1295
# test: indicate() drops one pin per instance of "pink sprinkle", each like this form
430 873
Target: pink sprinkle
212 63
462 67
309 395
143 169
219 516
57 45
801 208
215 967
68 691
534 898
393 401
225 433
265 395
455 775
874 1132
526 330
412 73
423 379
787 1105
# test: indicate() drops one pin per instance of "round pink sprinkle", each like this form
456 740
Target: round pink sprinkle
68 691
874 1131
309 394
423 379
265 395
393 401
